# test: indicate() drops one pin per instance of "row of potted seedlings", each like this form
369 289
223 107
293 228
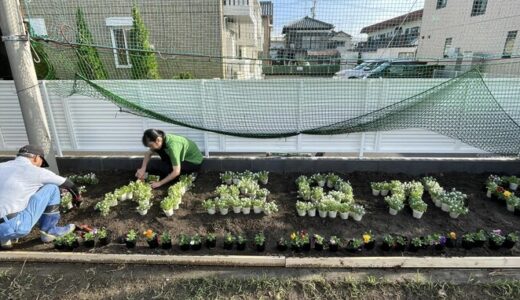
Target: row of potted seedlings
173 199
86 179
500 189
299 241
329 195
71 241
141 193
399 192
242 193
453 202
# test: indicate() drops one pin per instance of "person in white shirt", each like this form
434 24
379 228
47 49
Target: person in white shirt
30 194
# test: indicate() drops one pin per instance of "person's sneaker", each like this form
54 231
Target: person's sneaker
6 244
55 232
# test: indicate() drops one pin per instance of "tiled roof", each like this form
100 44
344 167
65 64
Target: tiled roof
413 16
308 23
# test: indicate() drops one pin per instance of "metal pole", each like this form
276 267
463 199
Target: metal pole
18 48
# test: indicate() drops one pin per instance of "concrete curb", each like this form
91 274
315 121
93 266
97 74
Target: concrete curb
512 262
214 260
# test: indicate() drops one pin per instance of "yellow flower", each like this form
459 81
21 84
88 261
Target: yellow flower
453 235
293 236
507 194
366 238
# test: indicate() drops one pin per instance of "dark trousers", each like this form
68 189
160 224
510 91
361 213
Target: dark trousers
164 168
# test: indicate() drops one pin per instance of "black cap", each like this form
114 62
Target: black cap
34 150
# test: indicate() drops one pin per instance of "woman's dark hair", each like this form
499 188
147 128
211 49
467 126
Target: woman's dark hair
151 135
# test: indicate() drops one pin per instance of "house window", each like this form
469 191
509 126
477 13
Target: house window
510 44
441 3
120 33
479 7
447 46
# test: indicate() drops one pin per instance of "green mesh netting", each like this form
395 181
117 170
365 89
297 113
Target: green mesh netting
279 68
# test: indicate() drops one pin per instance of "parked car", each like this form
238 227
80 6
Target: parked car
391 69
360 71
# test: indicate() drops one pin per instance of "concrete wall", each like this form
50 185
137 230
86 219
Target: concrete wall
480 34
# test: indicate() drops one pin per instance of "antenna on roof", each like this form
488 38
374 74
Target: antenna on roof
313 9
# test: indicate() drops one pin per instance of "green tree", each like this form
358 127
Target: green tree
144 63
89 63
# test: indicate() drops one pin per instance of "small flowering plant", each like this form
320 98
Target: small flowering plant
195 240
299 238
131 236
367 237
318 239
496 237
149 235
334 240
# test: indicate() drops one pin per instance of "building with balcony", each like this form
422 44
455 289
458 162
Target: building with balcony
394 38
207 38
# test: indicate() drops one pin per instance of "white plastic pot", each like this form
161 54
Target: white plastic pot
513 186
122 197
142 212
438 203
311 212
321 183
224 211
357 217
264 182
330 184
237 209
113 203
511 208
445 207
168 212
375 192
176 206
211 211
384 193
301 213
236 181
246 210
257 209
333 214
70 206
454 215
323 214
129 196
392 211
417 214
343 216
488 194
229 181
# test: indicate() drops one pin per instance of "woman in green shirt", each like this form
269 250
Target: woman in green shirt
177 154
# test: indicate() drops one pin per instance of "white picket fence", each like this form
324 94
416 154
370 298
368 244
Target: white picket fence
79 123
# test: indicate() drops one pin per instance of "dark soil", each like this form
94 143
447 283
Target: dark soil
191 218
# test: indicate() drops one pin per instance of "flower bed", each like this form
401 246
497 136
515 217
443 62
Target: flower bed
192 219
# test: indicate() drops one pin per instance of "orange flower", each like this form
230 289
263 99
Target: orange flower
453 235
148 234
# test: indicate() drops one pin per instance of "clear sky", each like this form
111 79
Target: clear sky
347 15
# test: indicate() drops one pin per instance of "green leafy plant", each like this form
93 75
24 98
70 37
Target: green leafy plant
131 236
259 239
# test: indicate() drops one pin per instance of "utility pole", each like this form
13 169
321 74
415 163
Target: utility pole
313 9
18 46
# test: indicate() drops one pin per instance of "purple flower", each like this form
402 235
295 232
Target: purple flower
442 240
497 231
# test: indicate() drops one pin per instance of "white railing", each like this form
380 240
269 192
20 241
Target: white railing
80 123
